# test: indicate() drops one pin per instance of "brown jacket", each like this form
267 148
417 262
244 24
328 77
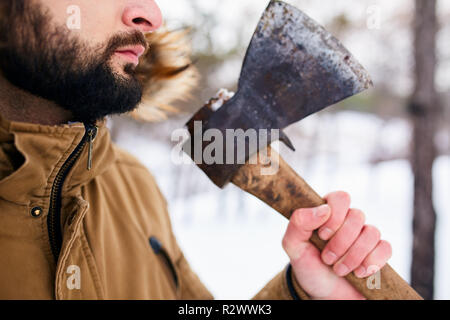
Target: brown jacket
71 233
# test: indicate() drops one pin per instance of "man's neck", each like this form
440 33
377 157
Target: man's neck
19 105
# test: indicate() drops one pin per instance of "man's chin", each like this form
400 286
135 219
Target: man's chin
120 68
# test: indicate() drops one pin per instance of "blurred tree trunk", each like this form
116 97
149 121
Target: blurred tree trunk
424 110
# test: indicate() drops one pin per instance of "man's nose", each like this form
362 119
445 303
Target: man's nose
144 16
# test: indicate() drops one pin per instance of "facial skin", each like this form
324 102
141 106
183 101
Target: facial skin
88 72
102 20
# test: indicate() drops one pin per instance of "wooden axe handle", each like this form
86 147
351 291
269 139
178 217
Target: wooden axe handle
286 191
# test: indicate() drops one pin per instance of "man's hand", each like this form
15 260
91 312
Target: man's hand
352 247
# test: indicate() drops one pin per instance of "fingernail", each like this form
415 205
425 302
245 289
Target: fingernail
372 270
325 233
342 270
329 257
322 211
360 272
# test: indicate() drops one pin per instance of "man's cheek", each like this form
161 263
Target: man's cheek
73 21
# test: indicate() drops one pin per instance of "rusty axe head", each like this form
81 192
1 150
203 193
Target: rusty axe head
293 68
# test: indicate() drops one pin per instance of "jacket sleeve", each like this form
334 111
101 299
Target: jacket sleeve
283 286
191 288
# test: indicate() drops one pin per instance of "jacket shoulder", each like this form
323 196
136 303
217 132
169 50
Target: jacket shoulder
124 158
133 170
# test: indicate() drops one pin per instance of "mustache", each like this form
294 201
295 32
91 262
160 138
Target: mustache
125 39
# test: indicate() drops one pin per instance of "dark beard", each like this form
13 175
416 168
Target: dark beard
54 64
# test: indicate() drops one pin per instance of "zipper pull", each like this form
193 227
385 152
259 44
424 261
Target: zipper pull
91 135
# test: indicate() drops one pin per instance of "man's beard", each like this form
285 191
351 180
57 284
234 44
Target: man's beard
56 65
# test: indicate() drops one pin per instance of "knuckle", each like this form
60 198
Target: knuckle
285 243
339 196
344 196
352 260
387 247
299 213
326 232
338 245
295 214
305 211
296 217
304 218
373 232
357 216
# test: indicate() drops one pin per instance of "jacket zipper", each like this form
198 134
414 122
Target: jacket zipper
54 213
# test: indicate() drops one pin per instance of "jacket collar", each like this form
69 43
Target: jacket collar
32 155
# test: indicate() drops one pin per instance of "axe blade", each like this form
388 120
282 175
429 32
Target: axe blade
293 68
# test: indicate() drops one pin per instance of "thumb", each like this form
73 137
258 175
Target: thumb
301 226
307 220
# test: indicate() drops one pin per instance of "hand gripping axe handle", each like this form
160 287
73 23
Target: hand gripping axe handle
287 191
293 68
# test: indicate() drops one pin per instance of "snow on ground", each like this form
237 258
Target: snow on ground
233 241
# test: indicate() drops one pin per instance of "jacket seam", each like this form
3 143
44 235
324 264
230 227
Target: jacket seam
63 260
64 257
134 165
92 264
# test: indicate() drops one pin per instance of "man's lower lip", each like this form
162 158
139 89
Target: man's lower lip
129 56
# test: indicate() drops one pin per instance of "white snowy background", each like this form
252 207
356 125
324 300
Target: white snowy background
231 239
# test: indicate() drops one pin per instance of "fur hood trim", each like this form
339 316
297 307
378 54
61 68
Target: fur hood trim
167 74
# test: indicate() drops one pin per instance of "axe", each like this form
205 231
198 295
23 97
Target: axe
293 68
